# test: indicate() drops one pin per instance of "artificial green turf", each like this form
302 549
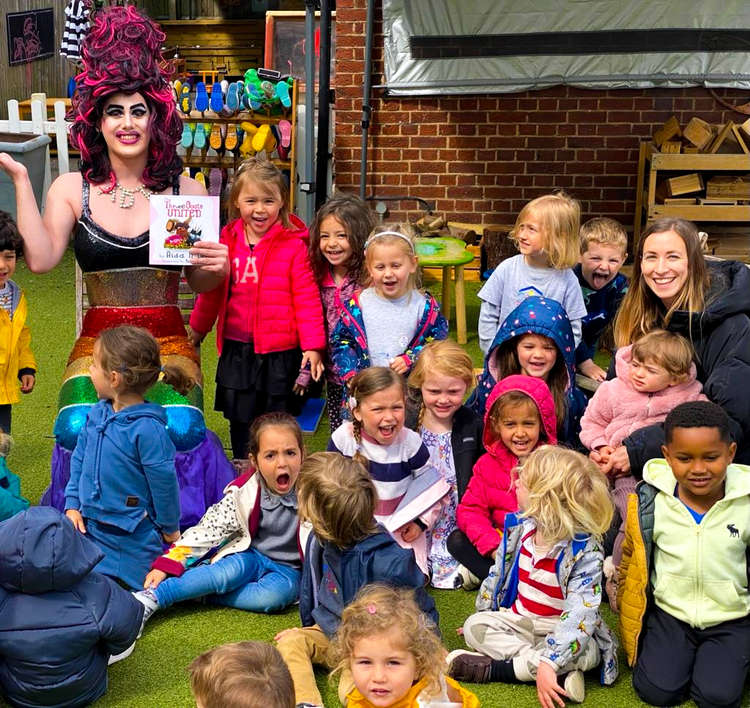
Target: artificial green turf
155 674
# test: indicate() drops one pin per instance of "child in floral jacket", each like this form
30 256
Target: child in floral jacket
537 613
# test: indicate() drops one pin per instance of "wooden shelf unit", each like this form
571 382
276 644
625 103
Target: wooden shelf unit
231 160
651 163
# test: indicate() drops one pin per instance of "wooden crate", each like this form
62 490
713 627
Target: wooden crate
669 131
699 133
730 187
685 184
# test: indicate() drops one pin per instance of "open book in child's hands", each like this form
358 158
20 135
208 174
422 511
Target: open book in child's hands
177 223
423 492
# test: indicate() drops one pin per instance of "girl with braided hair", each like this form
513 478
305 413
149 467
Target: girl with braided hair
395 456
126 127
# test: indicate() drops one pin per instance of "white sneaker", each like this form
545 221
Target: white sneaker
575 687
147 598
114 658
466 579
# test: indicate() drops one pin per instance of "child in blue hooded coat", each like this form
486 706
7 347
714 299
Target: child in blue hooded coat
59 619
536 339
123 489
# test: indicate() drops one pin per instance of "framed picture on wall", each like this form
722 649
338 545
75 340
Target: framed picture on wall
31 35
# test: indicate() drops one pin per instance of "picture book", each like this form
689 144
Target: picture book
423 491
177 222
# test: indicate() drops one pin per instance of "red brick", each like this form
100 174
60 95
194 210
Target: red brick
611 103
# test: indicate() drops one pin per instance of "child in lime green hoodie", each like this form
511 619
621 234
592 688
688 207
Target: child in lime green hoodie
685 600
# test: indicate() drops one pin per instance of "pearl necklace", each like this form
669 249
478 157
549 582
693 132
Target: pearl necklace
127 195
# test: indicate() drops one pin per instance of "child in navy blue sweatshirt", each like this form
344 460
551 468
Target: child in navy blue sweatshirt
123 489
604 246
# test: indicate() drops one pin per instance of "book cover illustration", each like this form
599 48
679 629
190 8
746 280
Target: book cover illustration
177 223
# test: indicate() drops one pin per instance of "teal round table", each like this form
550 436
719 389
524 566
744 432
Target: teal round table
448 254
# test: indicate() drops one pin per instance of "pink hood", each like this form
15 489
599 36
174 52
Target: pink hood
534 388
490 494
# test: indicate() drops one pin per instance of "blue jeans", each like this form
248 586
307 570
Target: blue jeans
247 581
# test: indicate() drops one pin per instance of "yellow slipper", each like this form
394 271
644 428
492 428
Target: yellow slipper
264 140
246 148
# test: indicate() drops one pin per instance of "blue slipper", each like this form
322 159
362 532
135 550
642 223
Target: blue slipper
253 97
187 135
233 101
282 93
199 139
217 102
201 97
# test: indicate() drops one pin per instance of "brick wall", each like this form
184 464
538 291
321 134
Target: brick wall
483 157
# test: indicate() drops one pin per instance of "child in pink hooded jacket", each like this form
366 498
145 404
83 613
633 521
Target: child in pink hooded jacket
653 376
520 416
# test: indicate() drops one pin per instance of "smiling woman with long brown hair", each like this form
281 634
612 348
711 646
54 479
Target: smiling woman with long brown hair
707 302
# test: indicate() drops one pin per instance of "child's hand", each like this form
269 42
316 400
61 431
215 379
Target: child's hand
410 532
27 383
399 365
171 537
590 369
313 357
195 338
601 456
548 691
618 464
283 633
154 578
75 516
299 390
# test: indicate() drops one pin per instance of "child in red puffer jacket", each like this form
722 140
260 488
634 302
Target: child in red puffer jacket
270 328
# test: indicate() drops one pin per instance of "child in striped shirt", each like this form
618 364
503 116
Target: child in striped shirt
537 613
410 490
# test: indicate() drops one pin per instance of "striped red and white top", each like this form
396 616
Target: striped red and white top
539 591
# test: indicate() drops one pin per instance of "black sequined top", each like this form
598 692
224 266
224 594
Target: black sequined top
98 249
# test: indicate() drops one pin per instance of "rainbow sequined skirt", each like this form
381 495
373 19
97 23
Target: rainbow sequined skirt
143 297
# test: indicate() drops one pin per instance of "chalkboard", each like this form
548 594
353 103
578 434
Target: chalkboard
31 35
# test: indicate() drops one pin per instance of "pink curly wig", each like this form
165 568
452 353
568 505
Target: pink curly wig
121 55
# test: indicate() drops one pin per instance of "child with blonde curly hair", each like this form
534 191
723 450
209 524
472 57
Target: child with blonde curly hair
393 653
537 613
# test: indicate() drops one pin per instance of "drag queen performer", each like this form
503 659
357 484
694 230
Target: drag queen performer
126 127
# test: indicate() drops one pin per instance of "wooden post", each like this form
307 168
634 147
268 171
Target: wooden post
460 305
446 304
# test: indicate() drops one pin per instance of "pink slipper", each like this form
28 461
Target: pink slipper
285 138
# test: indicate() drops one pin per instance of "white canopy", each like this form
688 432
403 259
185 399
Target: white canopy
503 46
